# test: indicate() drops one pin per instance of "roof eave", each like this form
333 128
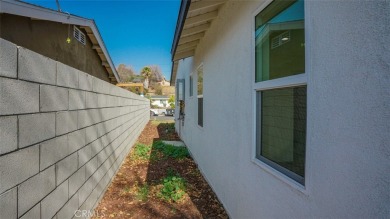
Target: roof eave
29 10
184 6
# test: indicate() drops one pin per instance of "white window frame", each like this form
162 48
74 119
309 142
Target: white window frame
284 82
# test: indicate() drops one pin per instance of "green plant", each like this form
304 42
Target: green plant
170 150
142 151
143 192
173 188
171 101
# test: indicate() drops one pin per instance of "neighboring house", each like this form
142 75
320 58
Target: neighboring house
160 101
67 38
65 129
308 135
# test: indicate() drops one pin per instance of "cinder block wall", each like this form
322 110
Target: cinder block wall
63 135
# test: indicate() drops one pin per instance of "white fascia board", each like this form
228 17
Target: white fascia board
28 10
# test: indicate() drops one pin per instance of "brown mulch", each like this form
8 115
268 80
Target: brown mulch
122 199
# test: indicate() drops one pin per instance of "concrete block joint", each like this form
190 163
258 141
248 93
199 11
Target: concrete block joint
64 135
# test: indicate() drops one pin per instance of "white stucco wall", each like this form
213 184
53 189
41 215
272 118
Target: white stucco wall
348 114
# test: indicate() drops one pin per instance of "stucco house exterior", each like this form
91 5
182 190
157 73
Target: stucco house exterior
70 39
309 134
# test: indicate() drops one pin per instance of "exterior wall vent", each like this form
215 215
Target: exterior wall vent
280 39
78 35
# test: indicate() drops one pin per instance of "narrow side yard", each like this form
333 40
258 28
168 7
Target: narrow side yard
158 180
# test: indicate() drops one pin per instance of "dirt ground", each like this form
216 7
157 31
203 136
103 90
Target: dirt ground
136 189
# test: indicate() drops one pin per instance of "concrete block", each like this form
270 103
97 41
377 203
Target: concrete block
53 98
102 156
85 81
35 189
18 97
67 76
102 100
82 212
91 167
96 147
35 67
91 200
8 133
8 59
98 175
91 100
66 167
100 129
84 155
18 166
70 208
97 85
84 118
76 181
35 128
8 204
53 150
35 212
54 201
92 133
88 117
76 99
85 190
66 122
76 140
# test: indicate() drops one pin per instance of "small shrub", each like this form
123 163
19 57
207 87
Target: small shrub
143 192
171 151
173 188
142 151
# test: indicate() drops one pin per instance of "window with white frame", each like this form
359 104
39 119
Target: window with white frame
280 87
200 95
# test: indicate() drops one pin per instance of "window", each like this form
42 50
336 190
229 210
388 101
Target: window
200 95
180 84
191 86
78 35
280 87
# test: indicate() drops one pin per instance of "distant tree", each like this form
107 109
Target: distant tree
156 75
146 72
126 73
171 101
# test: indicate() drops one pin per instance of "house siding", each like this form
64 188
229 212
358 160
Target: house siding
348 120
58 153
49 39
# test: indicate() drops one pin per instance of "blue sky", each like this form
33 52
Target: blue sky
136 32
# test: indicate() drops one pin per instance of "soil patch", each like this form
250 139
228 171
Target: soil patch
158 181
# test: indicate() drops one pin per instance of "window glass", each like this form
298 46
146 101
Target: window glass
191 86
280 40
200 112
282 120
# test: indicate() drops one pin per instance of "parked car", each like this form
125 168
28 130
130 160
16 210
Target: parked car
152 113
163 112
170 112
